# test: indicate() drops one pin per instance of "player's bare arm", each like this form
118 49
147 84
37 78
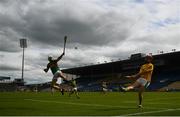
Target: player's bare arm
60 57
47 68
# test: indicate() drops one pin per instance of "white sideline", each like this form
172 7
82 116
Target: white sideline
150 112
85 104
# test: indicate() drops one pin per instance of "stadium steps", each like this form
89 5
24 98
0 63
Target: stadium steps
174 86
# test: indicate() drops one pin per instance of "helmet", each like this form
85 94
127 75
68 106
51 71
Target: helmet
149 57
50 57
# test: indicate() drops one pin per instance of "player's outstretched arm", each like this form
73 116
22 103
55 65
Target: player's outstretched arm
46 69
60 57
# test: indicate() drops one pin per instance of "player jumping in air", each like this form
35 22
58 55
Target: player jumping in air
144 78
55 71
74 88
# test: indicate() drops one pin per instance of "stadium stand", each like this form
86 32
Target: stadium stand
166 72
164 79
175 86
6 84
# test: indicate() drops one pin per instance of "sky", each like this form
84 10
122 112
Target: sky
97 31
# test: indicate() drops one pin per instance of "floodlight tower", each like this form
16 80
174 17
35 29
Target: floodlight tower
23 45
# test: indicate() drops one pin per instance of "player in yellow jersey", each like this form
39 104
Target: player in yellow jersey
144 78
55 71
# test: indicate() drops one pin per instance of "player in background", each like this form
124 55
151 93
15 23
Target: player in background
62 91
144 78
73 84
55 71
104 87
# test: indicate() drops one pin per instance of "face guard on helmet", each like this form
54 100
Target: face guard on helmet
50 58
149 58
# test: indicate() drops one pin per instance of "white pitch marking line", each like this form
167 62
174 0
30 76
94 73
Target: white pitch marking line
149 112
84 104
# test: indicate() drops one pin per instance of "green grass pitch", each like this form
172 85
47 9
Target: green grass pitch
90 104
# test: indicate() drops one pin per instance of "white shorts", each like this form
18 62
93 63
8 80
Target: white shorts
143 82
57 75
104 89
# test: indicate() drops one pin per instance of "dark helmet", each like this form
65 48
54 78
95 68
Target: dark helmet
50 57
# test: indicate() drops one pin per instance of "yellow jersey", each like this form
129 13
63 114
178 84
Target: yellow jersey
146 71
